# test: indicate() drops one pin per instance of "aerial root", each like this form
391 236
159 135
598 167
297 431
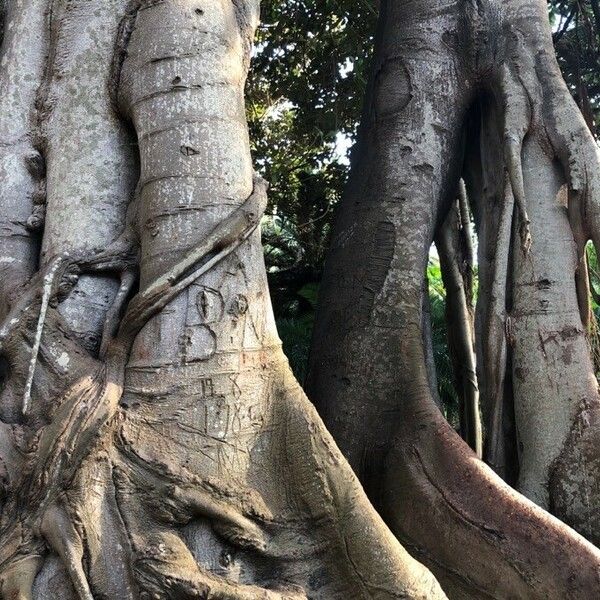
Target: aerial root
164 566
41 514
455 266
466 241
172 501
495 338
518 116
577 151
227 521
62 536
128 279
515 174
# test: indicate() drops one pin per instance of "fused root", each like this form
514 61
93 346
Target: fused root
579 460
456 273
48 506
36 512
16 582
165 567
495 338
62 536
543 128
517 122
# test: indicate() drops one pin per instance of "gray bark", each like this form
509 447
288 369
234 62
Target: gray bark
454 244
153 441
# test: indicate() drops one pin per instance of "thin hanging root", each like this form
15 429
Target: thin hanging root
226 520
113 316
592 329
62 536
495 336
460 328
467 249
47 291
515 174
517 121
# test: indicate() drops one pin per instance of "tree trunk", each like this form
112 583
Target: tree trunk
153 442
439 68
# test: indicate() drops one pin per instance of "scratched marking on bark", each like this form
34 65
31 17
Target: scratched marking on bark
379 265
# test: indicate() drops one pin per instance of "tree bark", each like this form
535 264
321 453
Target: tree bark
153 441
435 63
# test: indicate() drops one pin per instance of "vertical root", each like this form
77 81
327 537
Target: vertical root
62 536
113 316
459 316
576 149
495 342
16 583
517 119
582 277
47 290
468 251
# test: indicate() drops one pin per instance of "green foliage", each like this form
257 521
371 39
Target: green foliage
443 364
296 331
310 293
576 25
305 92
295 334
594 268
594 329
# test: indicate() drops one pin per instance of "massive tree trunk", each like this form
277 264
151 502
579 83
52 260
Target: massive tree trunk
470 89
153 442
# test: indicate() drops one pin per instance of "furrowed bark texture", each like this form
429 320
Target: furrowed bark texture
539 293
487 190
439 67
153 441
